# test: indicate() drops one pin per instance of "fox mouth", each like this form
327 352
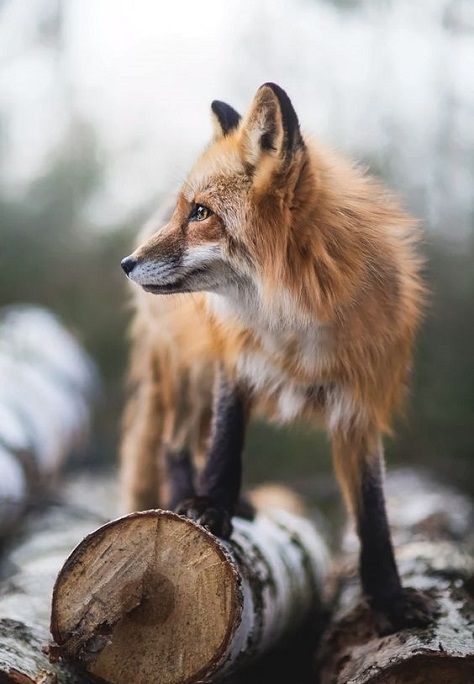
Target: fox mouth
169 288
178 286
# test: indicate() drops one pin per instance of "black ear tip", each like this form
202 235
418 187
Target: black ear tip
216 106
273 86
280 94
226 115
289 116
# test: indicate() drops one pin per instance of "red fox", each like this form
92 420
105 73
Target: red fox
294 291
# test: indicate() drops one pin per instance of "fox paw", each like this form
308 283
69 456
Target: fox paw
245 509
412 608
205 511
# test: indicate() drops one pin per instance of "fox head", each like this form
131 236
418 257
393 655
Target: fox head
236 209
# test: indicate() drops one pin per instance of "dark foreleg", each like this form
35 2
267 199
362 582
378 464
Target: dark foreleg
180 476
219 487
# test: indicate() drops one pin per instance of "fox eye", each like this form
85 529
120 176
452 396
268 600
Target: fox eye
200 213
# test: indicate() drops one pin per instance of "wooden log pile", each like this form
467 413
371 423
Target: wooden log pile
154 598
30 565
172 603
46 385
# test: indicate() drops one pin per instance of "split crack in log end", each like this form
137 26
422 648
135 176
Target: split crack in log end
200 597
89 634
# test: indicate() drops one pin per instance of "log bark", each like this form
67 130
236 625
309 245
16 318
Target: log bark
29 568
154 598
433 529
46 384
433 534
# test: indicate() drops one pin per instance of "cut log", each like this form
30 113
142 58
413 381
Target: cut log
433 533
433 529
153 598
30 566
46 384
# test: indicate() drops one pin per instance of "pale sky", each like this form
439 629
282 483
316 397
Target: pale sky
391 82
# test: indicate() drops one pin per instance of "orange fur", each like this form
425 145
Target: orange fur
319 321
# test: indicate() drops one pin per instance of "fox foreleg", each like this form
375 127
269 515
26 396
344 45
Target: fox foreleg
219 486
180 472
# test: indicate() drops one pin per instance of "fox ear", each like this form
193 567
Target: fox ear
224 117
271 126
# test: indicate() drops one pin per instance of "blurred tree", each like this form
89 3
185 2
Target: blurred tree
51 254
439 428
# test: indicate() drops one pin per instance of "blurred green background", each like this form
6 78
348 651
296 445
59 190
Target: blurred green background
103 107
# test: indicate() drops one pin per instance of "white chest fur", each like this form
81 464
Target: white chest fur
266 379
280 333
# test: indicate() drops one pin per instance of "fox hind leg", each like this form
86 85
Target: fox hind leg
140 445
359 467
186 434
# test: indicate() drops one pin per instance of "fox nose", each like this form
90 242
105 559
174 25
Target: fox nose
128 264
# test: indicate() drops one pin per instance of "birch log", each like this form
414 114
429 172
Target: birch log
46 384
29 568
433 532
154 598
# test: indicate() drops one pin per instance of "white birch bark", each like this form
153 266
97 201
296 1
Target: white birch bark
46 385
433 534
29 568
154 598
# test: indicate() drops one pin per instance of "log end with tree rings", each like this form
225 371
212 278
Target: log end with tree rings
154 598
